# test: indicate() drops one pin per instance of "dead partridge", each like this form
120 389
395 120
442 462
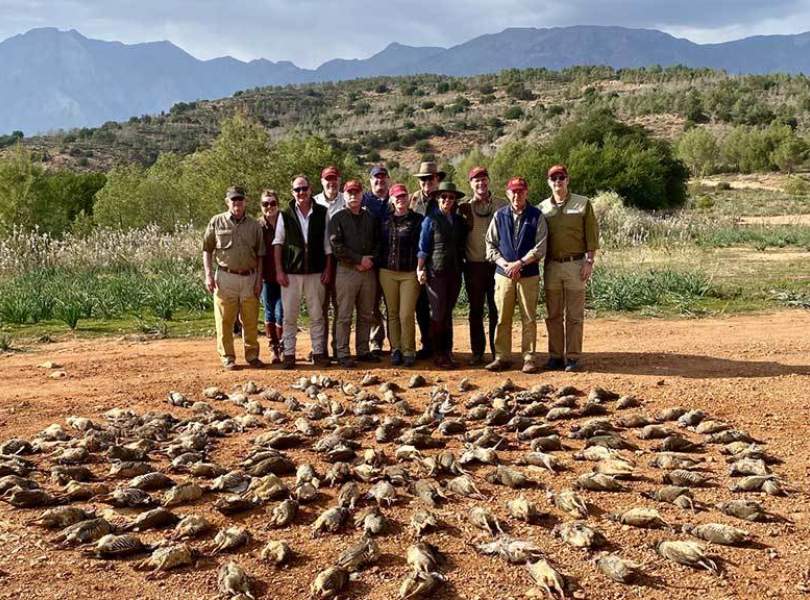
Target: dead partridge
277 552
419 584
483 519
229 539
547 578
329 582
282 514
524 510
422 522
190 526
329 521
370 520
423 557
617 568
569 502
233 581
511 550
83 532
643 518
717 533
748 510
690 554
117 546
359 555
578 534
61 517
167 558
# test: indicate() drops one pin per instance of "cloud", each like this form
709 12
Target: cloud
309 32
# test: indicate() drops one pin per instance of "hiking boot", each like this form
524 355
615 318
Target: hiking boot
477 360
409 361
529 366
424 353
555 364
572 366
289 361
377 352
229 364
320 360
498 365
346 363
396 358
368 357
256 363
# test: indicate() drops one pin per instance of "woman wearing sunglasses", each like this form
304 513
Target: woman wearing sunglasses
271 290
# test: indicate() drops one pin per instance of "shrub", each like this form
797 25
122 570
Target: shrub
513 113
698 149
796 186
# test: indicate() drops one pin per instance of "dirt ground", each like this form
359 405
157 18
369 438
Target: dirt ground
753 371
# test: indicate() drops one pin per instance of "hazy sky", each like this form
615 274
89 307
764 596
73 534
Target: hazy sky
309 32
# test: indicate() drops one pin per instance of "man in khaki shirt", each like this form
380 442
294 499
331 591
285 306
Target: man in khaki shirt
235 242
479 272
573 239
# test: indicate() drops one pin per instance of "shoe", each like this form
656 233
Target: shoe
451 362
444 362
229 364
276 355
529 366
409 361
320 360
396 358
477 360
256 363
498 365
572 366
346 363
368 357
377 352
424 353
555 364
289 361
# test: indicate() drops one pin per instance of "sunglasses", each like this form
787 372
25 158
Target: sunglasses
298 190
558 177
267 203
448 197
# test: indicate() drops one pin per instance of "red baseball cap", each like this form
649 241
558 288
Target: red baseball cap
353 186
517 183
476 172
330 171
397 189
558 169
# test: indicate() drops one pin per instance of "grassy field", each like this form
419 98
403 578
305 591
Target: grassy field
697 262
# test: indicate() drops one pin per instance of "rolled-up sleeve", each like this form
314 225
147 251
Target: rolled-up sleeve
591 229
426 239
280 235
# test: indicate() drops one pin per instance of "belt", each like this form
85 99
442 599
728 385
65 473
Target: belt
569 258
235 272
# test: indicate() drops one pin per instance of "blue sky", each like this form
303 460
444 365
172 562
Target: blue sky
309 32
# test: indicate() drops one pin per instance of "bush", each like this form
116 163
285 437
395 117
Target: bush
513 113
620 291
796 186
698 149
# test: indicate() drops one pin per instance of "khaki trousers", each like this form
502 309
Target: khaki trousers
522 292
309 288
234 295
401 290
354 289
565 305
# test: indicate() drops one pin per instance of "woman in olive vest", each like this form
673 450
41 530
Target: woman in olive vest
440 264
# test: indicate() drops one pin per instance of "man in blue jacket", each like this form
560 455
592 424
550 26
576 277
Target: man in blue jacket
516 243
376 202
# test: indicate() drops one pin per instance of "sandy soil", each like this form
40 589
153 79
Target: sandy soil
753 371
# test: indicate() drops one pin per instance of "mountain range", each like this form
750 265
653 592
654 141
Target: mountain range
52 79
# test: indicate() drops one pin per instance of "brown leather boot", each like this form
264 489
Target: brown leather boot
274 331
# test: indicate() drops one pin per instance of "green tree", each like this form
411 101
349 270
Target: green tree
790 154
19 178
698 149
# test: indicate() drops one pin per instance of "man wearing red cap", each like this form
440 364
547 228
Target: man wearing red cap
354 238
332 199
573 239
516 243
479 272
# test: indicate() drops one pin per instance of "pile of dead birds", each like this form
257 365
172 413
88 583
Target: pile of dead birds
365 449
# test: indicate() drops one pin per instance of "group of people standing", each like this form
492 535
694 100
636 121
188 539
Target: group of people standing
383 251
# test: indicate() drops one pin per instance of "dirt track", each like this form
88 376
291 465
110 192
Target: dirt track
753 371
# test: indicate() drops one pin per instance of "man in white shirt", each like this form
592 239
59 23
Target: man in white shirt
303 258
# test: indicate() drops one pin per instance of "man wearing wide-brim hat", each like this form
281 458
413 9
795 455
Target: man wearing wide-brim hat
429 176
440 264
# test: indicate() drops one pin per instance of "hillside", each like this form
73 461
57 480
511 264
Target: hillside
55 79
403 118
